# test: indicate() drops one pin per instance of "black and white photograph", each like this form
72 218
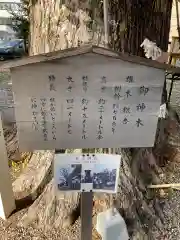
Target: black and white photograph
87 177
69 177
104 177
85 173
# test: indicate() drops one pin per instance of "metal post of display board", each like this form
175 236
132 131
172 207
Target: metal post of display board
86 215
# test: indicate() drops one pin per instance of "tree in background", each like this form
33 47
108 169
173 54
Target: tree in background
135 20
64 173
20 21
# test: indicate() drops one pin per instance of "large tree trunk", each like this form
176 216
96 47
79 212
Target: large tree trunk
134 20
56 26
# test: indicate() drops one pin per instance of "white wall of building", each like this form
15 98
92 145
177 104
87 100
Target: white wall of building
6 32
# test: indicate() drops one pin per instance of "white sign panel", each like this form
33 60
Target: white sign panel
97 173
87 101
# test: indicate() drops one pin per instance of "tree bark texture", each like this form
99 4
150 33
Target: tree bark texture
57 26
134 20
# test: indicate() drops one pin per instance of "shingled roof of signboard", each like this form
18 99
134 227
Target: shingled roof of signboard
70 52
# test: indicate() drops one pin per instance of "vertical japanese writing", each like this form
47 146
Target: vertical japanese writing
52 79
103 83
53 117
70 106
141 107
34 107
128 93
143 90
139 123
70 83
117 90
84 107
101 107
43 105
129 79
114 117
126 109
85 83
125 120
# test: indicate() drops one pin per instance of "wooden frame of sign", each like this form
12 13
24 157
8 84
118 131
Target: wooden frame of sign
86 97
54 110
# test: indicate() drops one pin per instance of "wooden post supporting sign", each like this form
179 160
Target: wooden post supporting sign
86 215
7 200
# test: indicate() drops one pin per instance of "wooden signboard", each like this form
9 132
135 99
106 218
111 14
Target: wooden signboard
86 98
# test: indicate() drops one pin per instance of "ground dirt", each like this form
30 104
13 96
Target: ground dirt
170 200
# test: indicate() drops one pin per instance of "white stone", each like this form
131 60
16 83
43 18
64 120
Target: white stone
111 225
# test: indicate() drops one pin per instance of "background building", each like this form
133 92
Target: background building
6 32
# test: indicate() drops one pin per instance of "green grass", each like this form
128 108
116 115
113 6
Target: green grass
5 76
